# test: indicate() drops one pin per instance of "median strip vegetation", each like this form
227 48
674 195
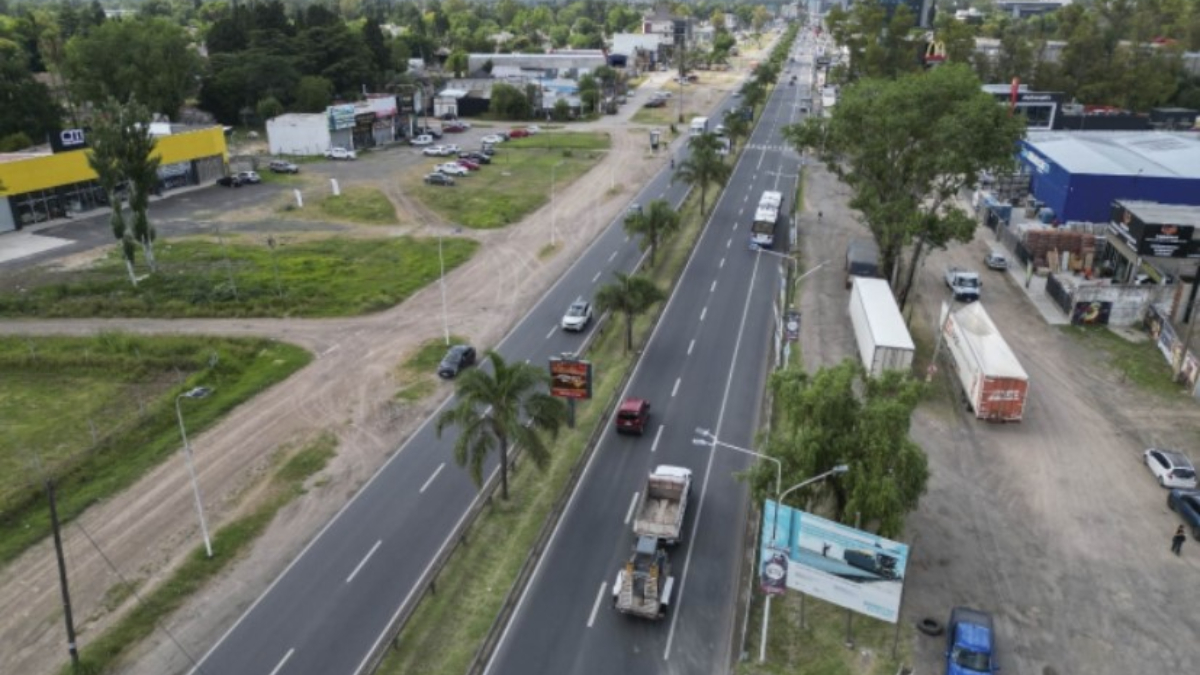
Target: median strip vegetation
450 624
104 653
244 276
95 414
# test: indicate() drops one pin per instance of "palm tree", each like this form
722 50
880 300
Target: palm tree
703 166
736 126
630 295
498 409
653 225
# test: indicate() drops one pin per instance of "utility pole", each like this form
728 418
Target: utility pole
62 577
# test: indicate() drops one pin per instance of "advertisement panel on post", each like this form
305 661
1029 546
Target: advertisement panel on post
850 568
570 378
341 117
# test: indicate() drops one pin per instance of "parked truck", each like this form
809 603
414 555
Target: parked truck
883 340
699 126
993 381
644 584
663 504
862 260
964 283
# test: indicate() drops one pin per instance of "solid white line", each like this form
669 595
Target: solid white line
597 277
552 332
331 349
657 436
362 562
675 389
703 313
435 475
632 506
613 256
713 287
691 345
284 660
596 605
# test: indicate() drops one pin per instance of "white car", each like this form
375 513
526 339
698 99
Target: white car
578 315
436 151
340 153
452 149
452 169
1172 468
423 139
533 129
493 138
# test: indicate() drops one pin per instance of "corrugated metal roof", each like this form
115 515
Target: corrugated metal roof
1156 213
985 341
1121 153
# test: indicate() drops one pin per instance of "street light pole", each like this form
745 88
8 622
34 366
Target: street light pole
553 202
709 438
197 393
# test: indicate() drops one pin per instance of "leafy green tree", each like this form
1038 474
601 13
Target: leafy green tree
313 94
508 102
629 295
736 126
105 155
905 168
759 18
147 59
840 415
28 107
880 47
268 108
589 93
652 225
499 409
561 111
376 43
704 166
457 63
139 164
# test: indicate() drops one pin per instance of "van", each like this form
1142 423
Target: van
632 416
699 126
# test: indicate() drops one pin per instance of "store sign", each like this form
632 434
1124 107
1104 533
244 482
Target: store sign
1156 240
364 123
1036 161
341 117
67 140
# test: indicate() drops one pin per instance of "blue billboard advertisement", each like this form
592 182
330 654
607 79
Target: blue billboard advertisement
850 568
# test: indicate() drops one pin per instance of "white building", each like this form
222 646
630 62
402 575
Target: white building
299 134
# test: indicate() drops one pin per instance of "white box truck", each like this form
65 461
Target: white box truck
883 340
699 125
993 381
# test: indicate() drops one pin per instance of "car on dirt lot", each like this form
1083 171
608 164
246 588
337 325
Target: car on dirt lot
578 315
423 139
1187 504
452 149
455 127
280 166
970 643
230 181
439 179
518 133
436 151
477 157
468 164
656 102
451 169
249 177
493 138
533 129
340 153
632 416
458 358
1172 468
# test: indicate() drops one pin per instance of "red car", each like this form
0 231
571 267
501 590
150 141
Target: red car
519 133
472 166
454 127
632 416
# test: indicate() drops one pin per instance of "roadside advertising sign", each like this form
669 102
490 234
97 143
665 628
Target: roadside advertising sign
341 117
827 560
570 378
791 325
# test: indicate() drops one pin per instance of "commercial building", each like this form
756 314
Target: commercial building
58 182
379 120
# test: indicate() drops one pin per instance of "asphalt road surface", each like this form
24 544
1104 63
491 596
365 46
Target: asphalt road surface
705 366
328 609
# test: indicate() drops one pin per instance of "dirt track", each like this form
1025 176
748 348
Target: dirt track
348 389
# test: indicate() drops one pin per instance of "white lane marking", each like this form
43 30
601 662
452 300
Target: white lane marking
722 263
703 313
431 477
284 660
332 349
632 506
362 562
657 436
597 277
675 389
552 332
713 287
734 228
596 605
691 345
729 243
627 238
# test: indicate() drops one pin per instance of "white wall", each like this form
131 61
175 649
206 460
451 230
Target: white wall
298 134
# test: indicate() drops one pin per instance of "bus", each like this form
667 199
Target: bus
762 232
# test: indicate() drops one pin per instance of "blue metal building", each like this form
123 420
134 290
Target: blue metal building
1079 174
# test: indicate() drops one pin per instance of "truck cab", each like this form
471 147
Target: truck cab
970 643
643 586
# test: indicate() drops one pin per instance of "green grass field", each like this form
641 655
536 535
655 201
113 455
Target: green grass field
246 277
521 178
94 414
360 205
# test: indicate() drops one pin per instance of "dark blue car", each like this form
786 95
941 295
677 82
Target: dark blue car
970 643
1187 504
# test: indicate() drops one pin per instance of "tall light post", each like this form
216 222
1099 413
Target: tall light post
553 202
197 393
707 437
442 281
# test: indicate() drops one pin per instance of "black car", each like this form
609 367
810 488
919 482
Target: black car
455 360
280 166
229 181
475 157
439 179
1187 504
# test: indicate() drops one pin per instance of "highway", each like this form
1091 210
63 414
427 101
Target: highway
334 602
705 366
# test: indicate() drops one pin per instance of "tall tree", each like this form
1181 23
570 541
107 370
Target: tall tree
736 126
629 295
704 166
499 409
652 225
105 154
28 107
880 45
840 415
139 164
905 167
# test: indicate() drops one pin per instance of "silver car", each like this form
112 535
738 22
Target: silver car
578 315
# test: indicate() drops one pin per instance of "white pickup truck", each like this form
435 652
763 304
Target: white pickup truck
964 283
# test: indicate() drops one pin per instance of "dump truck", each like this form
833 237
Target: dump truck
994 383
663 503
643 586
883 340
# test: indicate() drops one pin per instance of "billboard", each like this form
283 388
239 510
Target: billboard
1160 240
839 564
570 378
341 117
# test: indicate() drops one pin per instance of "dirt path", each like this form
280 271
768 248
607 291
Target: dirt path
142 533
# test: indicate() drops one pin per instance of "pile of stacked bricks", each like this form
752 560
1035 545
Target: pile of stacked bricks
1047 247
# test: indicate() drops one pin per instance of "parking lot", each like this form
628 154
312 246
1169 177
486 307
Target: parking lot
1053 525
